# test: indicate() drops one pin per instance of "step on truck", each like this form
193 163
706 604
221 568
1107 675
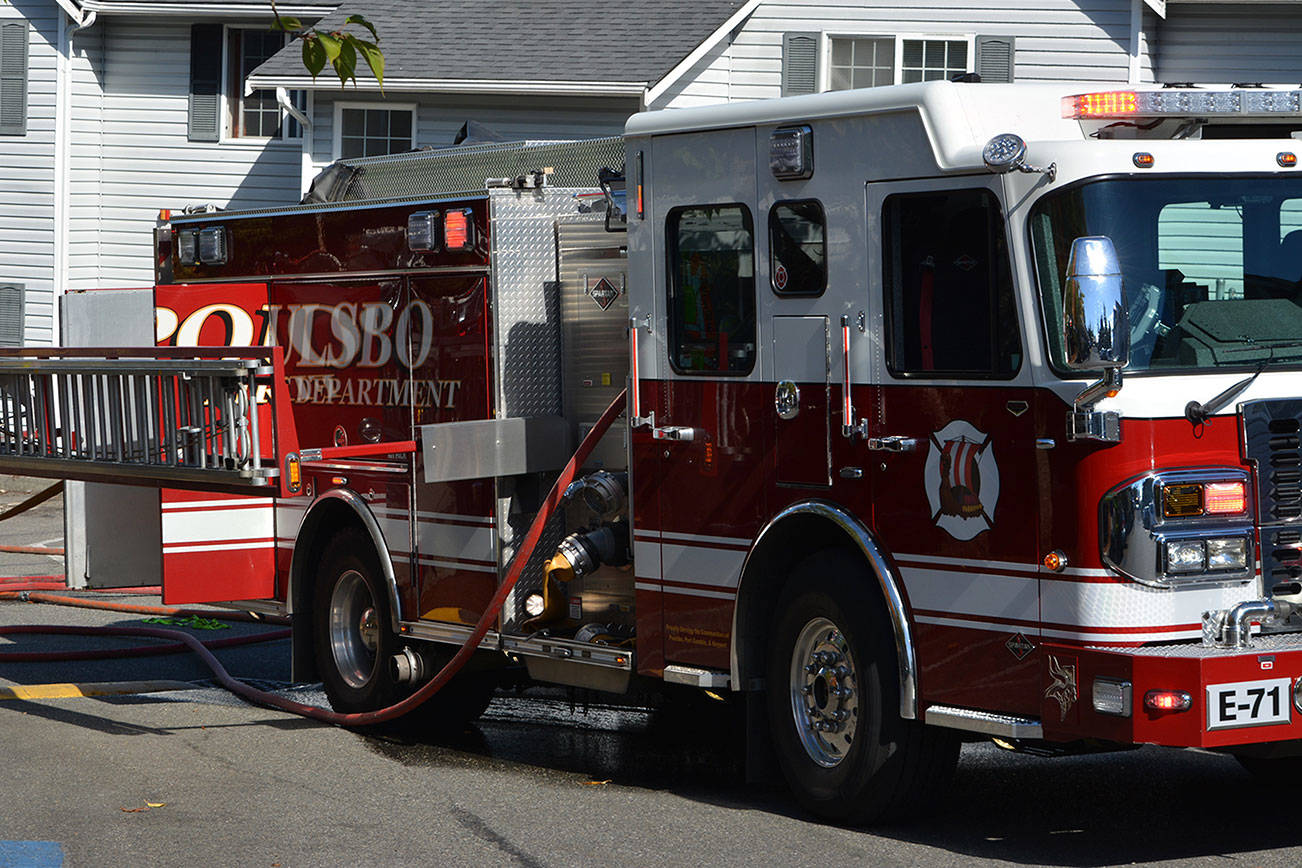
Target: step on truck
955 410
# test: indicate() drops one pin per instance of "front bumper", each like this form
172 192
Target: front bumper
1069 673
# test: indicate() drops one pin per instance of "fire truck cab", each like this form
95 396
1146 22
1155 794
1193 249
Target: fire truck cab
954 410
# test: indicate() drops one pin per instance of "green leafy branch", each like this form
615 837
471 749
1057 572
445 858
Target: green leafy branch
338 48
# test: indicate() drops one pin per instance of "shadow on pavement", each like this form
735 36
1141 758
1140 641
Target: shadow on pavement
1136 806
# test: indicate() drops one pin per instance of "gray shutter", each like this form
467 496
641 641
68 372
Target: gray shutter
11 314
994 58
205 82
799 63
13 78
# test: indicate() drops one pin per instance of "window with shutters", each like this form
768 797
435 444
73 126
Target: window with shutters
13 78
256 114
862 63
874 61
373 130
221 59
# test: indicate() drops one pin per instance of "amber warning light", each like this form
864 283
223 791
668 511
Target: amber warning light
1182 102
1095 105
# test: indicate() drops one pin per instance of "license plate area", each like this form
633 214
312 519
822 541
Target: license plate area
1248 703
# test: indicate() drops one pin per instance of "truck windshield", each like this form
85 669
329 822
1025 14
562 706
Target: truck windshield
1211 267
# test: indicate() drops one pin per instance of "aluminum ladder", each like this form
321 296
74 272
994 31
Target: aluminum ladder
191 418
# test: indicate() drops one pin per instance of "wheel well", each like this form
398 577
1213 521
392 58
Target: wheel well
322 523
797 533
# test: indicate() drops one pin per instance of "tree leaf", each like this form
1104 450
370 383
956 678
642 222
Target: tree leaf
358 19
287 23
314 56
374 59
346 63
331 44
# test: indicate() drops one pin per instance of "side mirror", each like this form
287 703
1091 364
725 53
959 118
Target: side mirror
1095 325
612 185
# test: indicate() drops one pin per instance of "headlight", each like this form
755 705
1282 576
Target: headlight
1227 554
1179 528
1185 556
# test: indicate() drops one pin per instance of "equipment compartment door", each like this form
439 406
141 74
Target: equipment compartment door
802 444
216 547
953 443
456 542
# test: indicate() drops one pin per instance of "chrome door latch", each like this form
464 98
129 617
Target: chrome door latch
682 433
894 443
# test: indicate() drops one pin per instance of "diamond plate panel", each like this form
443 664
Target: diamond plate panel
1264 643
526 298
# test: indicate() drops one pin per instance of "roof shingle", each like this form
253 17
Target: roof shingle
538 40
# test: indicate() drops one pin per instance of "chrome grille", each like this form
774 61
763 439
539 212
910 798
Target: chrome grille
1272 440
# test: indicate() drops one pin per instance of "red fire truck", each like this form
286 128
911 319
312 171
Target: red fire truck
880 475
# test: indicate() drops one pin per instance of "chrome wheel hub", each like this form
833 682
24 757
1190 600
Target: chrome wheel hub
354 629
824 688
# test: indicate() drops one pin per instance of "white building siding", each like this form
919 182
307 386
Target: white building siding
145 161
86 162
27 175
1231 43
1056 40
708 81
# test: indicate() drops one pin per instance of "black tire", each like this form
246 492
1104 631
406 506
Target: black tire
867 763
457 703
352 627
1278 771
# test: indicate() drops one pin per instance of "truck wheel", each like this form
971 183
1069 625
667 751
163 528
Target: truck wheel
351 626
833 700
459 702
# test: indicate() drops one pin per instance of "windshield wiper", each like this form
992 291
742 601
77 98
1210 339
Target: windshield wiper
1199 413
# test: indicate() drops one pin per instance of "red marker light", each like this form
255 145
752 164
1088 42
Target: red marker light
1224 498
457 230
1167 700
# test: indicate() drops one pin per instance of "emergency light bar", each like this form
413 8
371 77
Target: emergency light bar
1242 102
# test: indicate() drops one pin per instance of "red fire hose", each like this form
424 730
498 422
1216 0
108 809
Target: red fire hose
366 718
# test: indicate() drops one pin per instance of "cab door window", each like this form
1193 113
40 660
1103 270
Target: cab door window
798 248
950 310
711 289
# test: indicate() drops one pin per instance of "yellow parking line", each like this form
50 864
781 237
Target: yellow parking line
99 688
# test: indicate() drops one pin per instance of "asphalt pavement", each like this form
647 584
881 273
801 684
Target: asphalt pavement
547 777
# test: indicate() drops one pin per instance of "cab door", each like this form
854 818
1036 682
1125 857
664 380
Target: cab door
708 442
953 440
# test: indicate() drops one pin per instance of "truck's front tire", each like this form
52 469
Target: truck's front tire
352 626
833 699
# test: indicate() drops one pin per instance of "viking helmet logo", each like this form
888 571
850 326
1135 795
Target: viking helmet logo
962 480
